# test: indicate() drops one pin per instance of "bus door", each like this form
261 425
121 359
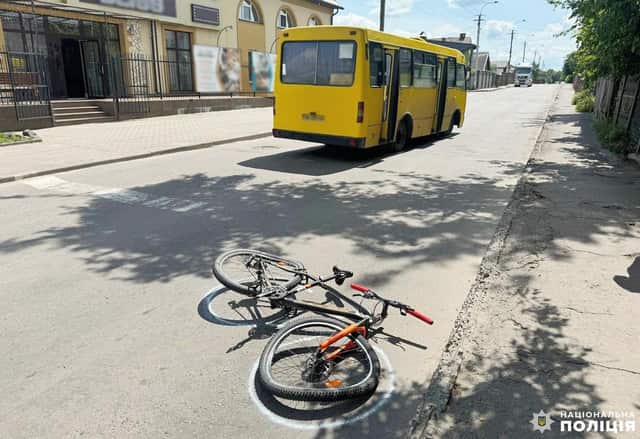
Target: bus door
441 99
391 90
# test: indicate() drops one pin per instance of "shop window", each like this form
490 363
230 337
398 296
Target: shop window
23 32
248 12
63 26
179 61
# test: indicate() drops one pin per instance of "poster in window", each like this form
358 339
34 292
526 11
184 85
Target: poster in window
261 71
217 69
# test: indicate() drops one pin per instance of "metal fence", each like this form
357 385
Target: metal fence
482 79
165 79
158 77
24 84
505 79
619 101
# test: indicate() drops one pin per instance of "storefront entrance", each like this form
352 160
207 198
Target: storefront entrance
72 68
77 51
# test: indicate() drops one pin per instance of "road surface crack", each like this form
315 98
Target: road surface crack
588 312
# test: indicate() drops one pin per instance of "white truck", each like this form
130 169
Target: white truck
524 75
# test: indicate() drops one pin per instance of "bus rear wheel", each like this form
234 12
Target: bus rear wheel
402 137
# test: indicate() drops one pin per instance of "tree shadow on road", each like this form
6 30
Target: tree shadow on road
405 217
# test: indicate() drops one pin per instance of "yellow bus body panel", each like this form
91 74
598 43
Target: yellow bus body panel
332 110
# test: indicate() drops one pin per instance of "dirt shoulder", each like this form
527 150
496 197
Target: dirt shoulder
555 324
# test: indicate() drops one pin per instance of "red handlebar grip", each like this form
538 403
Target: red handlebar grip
420 316
360 288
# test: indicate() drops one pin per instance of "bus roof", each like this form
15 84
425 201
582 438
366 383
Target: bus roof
418 43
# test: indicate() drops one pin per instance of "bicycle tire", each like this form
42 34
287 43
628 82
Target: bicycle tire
240 284
318 391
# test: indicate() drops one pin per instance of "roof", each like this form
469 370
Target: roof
460 39
481 61
462 45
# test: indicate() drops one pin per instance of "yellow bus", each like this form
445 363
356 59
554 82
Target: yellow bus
349 86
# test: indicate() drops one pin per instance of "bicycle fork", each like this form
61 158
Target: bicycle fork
355 327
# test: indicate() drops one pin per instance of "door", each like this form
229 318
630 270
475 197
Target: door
73 71
441 99
391 89
93 69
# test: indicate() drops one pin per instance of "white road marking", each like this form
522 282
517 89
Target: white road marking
334 423
125 196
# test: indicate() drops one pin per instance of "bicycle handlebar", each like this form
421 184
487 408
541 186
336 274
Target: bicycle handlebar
420 316
403 308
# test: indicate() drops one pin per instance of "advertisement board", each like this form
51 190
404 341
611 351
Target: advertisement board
217 69
262 67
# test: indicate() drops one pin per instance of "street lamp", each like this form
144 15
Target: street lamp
478 33
273 44
226 28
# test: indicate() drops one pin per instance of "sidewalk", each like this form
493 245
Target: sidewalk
71 147
555 327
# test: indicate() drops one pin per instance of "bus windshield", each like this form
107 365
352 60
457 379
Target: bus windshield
523 70
318 62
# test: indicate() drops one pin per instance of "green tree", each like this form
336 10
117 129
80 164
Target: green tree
552 76
608 36
570 64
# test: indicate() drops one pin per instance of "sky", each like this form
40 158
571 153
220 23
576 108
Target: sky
447 18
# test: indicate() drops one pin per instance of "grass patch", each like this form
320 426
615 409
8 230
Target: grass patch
10 138
612 136
584 101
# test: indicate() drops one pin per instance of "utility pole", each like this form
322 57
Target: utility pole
535 54
382 9
513 31
479 20
524 50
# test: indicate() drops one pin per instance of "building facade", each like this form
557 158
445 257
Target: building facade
91 47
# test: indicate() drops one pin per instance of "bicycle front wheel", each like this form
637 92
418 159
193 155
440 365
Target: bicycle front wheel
291 368
251 272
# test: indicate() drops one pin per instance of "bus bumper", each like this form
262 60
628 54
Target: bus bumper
353 142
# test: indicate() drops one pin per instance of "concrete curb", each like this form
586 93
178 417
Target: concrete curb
131 157
444 377
486 90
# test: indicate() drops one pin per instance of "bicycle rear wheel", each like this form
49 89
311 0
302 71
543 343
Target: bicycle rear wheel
251 272
289 367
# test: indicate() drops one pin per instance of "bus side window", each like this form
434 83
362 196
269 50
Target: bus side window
424 70
376 65
405 68
461 76
451 72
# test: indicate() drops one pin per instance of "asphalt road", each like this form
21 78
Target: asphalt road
110 327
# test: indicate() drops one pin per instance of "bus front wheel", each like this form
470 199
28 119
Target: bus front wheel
402 136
